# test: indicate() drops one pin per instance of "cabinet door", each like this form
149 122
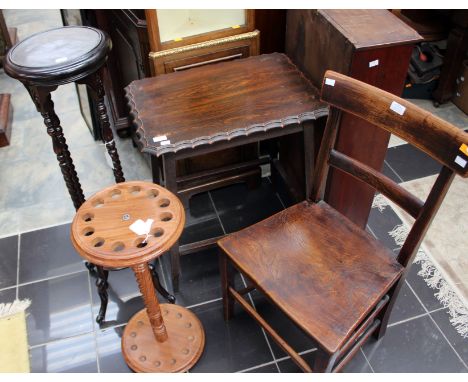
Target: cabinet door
172 28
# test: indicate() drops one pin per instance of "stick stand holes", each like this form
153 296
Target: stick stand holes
153 193
98 242
118 246
115 193
134 190
88 231
88 217
140 243
98 203
166 216
164 203
157 232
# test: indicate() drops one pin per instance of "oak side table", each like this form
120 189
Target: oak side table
210 108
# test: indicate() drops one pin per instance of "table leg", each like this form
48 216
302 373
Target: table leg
155 169
309 156
170 181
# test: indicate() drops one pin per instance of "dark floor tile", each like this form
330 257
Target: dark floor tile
442 318
47 253
411 163
230 346
124 297
295 337
271 368
73 355
422 290
201 221
7 295
60 308
412 346
109 348
387 171
8 261
202 230
381 223
358 364
288 366
199 280
406 306
240 207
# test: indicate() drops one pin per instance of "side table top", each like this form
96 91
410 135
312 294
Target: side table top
219 102
58 56
101 229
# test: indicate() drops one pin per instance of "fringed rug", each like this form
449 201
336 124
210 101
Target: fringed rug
14 355
444 253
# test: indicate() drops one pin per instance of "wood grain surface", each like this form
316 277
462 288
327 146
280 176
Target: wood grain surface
367 28
220 102
100 229
436 137
182 349
322 270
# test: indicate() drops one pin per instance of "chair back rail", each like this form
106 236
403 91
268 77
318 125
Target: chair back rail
436 137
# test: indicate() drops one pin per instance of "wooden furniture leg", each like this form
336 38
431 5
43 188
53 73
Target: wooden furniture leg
170 182
94 82
227 280
155 169
102 286
157 284
44 104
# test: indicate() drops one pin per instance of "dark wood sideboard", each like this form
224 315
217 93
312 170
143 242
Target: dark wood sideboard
373 46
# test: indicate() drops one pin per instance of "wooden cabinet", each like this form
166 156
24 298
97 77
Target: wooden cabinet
373 46
181 39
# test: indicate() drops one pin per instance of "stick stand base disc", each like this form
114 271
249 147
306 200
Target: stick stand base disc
182 349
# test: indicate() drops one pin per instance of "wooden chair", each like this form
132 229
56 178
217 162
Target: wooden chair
330 277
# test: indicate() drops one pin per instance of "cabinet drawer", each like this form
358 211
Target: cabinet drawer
205 59
190 56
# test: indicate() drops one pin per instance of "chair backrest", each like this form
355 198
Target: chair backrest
442 141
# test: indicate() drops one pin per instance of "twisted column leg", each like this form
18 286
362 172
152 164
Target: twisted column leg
145 283
102 286
44 104
94 82
157 284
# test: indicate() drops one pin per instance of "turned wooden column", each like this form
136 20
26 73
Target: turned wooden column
145 283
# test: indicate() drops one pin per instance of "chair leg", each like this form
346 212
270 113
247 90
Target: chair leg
384 315
323 362
227 280
102 285
157 284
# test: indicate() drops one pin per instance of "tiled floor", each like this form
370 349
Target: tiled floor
39 263
42 265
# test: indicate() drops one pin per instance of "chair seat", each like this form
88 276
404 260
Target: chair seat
322 270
